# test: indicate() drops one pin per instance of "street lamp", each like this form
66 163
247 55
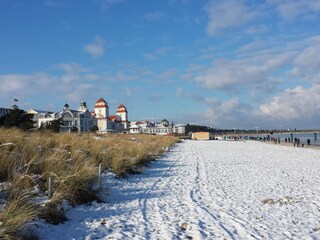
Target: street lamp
257 129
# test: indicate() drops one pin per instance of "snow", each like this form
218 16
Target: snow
206 190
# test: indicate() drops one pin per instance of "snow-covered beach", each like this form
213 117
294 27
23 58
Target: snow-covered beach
206 190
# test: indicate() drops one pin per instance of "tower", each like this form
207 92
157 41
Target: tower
83 107
123 114
101 109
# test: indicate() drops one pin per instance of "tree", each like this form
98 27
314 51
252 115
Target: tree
197 128
54 125
94 128
74 129
17 118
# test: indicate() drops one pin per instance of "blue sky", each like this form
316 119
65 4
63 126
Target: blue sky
225 64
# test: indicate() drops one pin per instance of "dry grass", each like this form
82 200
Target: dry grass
17 211
27 159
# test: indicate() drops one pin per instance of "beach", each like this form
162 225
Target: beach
282 143
206 190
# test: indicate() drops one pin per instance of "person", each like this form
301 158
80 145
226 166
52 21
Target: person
308 142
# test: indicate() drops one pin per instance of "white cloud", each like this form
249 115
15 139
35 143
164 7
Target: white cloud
294 104
234 74
227 114
80 92
97 48
307 63
291 10
23 84
72 72
228 14
257 29
70 84
259 66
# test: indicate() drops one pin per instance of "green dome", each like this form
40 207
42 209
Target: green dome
165 122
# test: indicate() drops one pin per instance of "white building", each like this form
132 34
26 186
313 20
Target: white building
79 120
36 114
111 123
163 128
101 113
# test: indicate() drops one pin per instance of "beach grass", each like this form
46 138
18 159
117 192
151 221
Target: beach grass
28 159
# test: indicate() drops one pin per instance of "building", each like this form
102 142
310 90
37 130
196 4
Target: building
111 123
4 111
36 114
101 113
122 118
180 129
80 120
162 128
201 136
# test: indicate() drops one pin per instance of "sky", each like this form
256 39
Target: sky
220 63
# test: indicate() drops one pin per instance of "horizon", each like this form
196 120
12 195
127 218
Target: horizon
226 64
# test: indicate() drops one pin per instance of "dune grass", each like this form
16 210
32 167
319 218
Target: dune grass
18 211
27 159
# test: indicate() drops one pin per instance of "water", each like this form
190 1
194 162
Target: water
302 136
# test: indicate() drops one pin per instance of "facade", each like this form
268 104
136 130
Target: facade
111 123
163 128
79 120
101 113
82 120
4 111
200 136
122 118
36 114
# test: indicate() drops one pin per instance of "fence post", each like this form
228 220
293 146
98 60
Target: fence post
99 175
50 187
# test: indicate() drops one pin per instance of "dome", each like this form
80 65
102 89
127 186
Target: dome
66 106
165 122
14 106
83 104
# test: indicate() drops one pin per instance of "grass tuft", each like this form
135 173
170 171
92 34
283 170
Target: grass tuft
16 213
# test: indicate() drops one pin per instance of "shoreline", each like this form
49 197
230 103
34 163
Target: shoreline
316 147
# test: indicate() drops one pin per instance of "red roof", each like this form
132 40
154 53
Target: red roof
113 117
121 106
101 100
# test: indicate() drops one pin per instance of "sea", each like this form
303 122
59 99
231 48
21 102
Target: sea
302 136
